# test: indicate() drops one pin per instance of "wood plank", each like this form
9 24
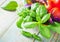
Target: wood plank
14 35
2 1
6 18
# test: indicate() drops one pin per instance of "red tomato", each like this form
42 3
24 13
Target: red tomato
52 4
56 12
53 7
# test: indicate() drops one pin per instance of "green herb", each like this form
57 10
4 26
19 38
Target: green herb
28 19
55 27
27 34
32 14
34 6
30 24
11 6
36 37
45 18
38 17
41 10
19 22
44 31
24 12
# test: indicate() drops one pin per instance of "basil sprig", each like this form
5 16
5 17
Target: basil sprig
29 35
36 16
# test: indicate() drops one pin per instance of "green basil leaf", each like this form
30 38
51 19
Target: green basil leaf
56 23
24 12
19 22
38 10
44 31
11 6
45 18
41 10
36 37
38 17
34 6
28 19
30 25
55 27
32 14
27 34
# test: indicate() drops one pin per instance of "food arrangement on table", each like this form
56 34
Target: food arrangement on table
43 14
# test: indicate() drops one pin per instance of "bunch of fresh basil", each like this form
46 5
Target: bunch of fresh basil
36 16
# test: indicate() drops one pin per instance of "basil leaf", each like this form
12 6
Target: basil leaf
45 18
38 10
57 24
41 10
11 6
27 34
24 12
44 31
55 27
36 37
28 19
19 22
34 6
38 17
32 14
30 24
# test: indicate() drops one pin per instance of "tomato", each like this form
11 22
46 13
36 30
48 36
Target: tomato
53 7
49 5
55 12
52 3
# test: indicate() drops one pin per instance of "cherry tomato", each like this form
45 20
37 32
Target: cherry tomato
52 3
56 14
